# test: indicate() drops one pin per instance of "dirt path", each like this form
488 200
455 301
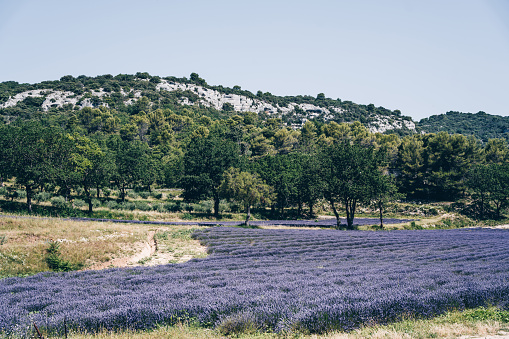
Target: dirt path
143 250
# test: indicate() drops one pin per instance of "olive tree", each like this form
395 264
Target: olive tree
246 188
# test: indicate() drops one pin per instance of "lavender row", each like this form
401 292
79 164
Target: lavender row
279 279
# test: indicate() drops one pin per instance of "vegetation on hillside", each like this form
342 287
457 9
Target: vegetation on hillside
481 125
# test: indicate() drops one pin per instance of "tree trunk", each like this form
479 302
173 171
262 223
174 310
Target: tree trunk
350 212
216 206
338 220
311 212
89 199
482 206
299 210
29 198
122 192
248 214
98 192
380 208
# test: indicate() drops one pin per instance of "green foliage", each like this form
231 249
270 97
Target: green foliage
246 188
484 314
204 163
348 173
58 202
55 262
42 196
481 125
490 184
79 203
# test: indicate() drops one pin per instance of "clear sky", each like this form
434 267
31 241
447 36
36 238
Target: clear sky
421 57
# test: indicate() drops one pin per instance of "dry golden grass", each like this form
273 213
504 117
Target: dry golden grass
93 244
26 240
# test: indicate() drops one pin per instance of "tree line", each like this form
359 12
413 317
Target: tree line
252 161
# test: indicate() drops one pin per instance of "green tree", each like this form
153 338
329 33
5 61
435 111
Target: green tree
282 172
34 156
92 166
246 188
348 172
204 163
134 164
490 183
384 190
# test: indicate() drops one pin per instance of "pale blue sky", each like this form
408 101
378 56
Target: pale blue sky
422 57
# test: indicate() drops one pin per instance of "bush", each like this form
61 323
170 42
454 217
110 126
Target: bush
113 205
159 207
224 206
96 202
42 196
172 207
187 216
132 194
143 206
157 195
79 203
55 262
4 192
144 195
186 207
204 206
129 206
58 202
240 323
20 194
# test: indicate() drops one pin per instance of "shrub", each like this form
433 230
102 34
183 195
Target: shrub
4 192
143 206
224 206
55 262
42 197
240 323
79 203
159 207
130 206
132 194
204 206
20 194
157 195
144 195
172 207
112 205
58 202
187 216
96 202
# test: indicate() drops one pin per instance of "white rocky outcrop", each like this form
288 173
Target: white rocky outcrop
13 101
209 98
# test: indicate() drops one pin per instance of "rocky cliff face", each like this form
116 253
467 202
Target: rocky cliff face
208 97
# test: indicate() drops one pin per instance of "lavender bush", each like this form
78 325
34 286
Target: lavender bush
277 280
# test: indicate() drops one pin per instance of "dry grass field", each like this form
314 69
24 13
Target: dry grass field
92 245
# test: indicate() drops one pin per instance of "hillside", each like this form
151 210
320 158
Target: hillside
141 92
481 125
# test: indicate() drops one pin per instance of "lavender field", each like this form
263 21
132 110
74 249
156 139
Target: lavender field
277 279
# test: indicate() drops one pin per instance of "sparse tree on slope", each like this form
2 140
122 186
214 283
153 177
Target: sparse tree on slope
246 188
